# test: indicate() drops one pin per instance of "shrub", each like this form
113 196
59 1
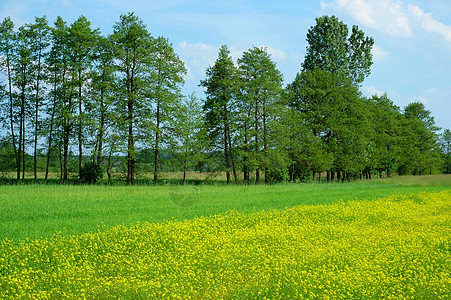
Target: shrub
90 173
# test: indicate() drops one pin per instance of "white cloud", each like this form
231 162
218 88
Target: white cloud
428 23
276 54
379 54
389 16
371 90
383 15
421 99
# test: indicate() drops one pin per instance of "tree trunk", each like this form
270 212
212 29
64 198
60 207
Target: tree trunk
185 161
23 152
36 119
61 164
65 151
130 152
245 158
265 141
157 141
80 120
226 154
257 170
11 115
49 150
21 130
108 168
102 126
232 156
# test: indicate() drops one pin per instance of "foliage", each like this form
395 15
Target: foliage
330 49
220 89
7 162
90 173
361 249
65 87
260 88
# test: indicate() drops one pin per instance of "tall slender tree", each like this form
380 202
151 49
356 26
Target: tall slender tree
23 79
190 139
133 47
103 82
7 39
260 89
166 77
56 63
81 39
220 88
40 42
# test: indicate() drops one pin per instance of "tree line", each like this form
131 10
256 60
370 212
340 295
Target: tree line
118 98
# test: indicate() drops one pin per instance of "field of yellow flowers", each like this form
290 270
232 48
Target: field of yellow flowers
398 247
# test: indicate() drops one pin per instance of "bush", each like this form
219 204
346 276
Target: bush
276 175
90 173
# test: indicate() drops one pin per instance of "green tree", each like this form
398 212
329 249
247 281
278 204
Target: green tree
102 90
133 49
7 39
190 133
62 109
23 79
421 142
220 89
331 48
385 118
81 41
58 113
166 79
332 109
260 89
40 33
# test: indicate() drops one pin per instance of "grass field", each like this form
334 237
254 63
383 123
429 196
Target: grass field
383 239
35 211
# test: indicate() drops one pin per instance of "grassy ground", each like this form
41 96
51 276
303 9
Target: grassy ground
397 247
36 211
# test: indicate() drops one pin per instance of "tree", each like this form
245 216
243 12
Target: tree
332 110
62 110
7 38
166 78
417 110
81 41
103 82
220 89
190 133
331 49
385 120
421 142
133 47
260 89
23 79
40 42
57 112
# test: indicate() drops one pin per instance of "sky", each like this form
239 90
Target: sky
411 54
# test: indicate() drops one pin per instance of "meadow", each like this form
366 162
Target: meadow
365 240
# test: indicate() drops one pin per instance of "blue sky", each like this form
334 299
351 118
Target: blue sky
412 52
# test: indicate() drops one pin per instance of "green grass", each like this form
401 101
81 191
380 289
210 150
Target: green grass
37 211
